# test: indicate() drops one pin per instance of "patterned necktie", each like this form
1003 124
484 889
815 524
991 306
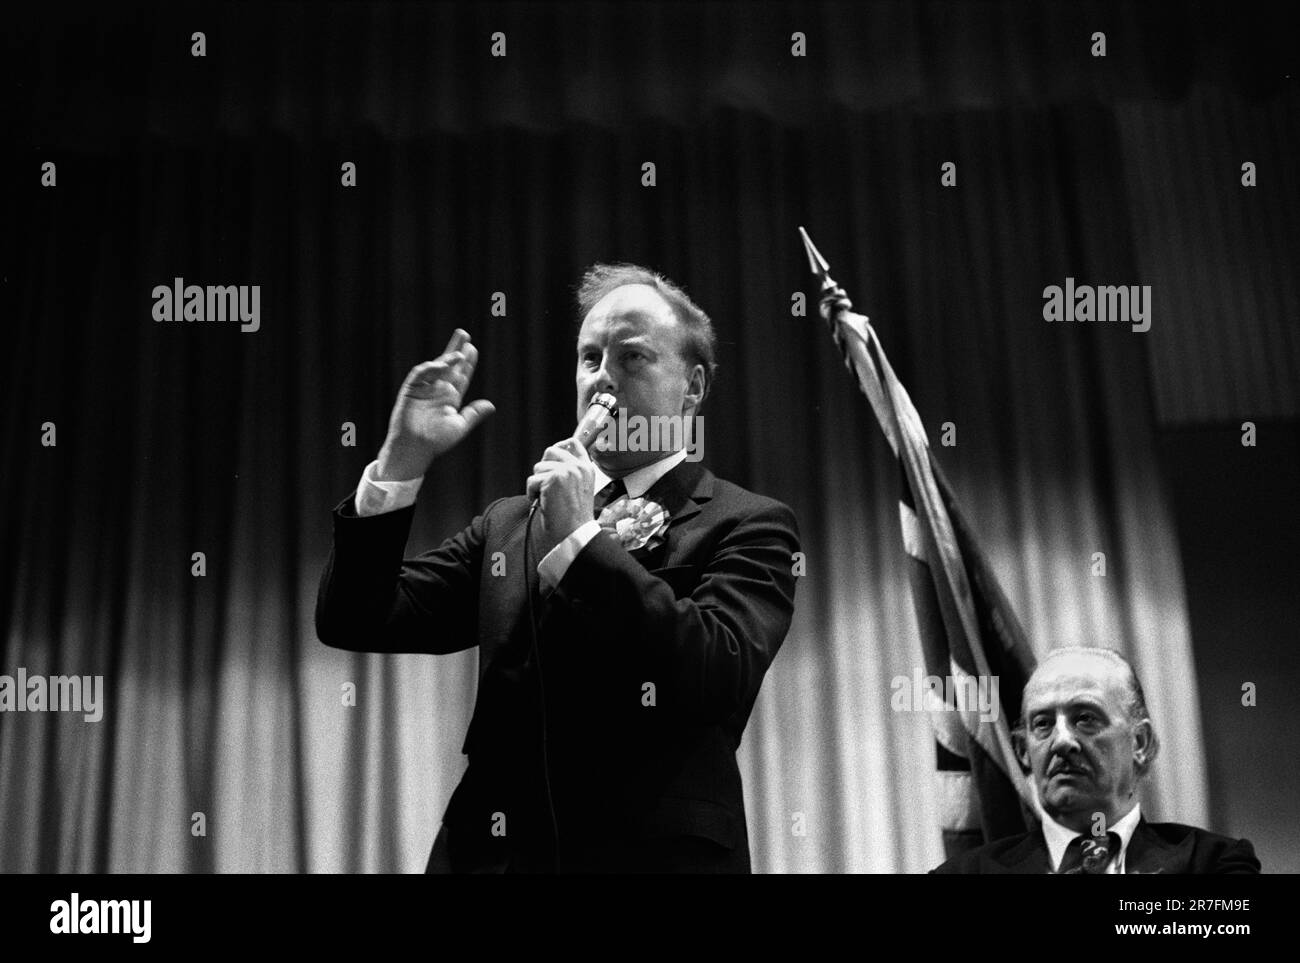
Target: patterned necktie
610 493
1089 855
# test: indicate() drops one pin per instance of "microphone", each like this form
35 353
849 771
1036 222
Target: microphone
600 410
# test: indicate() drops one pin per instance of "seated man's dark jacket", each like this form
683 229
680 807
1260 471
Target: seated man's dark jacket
1169 848
690 626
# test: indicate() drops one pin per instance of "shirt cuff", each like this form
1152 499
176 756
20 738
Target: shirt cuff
376 497
557 561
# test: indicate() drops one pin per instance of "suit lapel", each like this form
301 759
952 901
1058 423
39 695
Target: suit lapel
681 492
1029 856
1148 853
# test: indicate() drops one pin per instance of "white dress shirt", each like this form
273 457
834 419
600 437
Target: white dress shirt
1059 838
375 497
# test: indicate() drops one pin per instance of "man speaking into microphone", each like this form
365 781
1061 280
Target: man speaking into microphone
623 642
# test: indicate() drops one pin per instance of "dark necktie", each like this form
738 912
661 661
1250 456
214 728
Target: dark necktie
1089 855
609 493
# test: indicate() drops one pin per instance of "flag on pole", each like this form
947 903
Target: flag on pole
970 637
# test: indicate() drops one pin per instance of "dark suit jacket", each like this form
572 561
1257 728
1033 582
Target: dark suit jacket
633 787
1154 848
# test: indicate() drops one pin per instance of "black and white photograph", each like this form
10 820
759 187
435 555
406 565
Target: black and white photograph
574 440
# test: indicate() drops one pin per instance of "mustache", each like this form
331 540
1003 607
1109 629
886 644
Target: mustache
1061 764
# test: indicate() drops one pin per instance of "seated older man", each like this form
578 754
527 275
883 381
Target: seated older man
1086 741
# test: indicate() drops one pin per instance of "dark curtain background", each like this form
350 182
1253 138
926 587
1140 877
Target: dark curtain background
478 175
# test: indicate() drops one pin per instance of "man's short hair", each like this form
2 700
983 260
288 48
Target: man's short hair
1135 707
699 343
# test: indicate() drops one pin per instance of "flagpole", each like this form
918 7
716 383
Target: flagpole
865 358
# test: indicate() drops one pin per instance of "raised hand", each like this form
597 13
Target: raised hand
429 417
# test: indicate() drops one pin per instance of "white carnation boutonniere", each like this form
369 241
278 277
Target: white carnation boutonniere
636 523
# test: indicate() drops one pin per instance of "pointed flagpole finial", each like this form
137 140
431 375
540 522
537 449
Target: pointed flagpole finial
833 301
816 263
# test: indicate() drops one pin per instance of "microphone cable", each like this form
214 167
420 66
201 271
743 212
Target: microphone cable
541 683
598 412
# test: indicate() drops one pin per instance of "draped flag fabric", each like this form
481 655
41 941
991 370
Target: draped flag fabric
971 640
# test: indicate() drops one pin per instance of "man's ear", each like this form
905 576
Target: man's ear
1144 746
695 388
